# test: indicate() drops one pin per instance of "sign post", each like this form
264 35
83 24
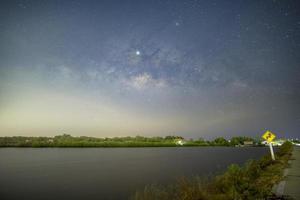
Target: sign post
269 137
271 150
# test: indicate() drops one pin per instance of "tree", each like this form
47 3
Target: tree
221 141
240 140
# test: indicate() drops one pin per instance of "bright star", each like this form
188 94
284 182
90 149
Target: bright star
137 52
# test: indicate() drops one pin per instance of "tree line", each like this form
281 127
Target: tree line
66 140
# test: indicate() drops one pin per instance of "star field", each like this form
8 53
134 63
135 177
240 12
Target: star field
106 68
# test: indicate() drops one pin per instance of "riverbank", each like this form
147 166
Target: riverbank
254 180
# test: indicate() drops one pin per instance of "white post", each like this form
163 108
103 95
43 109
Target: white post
271 150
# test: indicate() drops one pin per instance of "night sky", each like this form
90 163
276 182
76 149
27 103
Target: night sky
153 68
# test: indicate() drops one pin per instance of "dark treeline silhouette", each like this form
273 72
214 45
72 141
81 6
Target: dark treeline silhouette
137 141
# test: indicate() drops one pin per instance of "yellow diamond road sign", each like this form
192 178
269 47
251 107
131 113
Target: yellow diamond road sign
269 136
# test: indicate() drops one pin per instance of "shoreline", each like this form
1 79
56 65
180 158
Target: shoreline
146 146
65 140
253 180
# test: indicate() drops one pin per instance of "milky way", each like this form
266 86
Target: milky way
179 67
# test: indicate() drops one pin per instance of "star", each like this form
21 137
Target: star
193 57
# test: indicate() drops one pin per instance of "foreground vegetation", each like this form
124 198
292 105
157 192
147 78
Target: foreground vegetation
138 141
254 180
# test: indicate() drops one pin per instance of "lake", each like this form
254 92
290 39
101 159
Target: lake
107 173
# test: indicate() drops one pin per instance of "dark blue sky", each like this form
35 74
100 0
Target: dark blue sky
110 68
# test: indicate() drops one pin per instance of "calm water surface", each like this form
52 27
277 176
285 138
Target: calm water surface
106 173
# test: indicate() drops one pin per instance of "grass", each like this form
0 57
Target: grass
253 180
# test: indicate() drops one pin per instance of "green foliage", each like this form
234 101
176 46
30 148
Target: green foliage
234 141
184 189
173 137
66 140
285 148
220 141
296 141
83 141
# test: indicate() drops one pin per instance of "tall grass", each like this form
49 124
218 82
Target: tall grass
253 180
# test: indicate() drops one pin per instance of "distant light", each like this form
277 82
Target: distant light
177 24
137 53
